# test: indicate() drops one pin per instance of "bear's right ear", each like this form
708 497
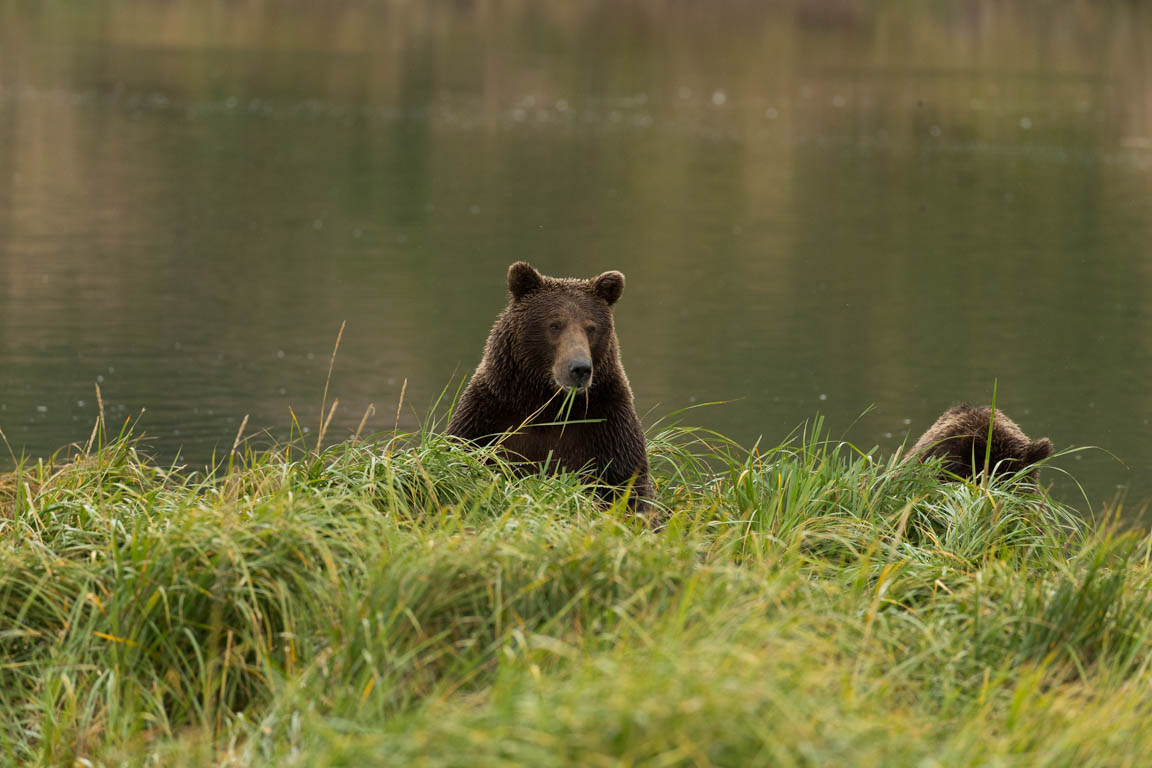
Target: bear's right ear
1038 451
609 286
523 279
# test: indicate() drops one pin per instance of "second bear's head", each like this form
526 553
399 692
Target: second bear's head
561 328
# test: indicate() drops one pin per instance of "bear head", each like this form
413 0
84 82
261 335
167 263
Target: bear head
561 328
960 437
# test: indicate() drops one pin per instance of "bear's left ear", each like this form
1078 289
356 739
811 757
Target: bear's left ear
1038 451
523 279
609 286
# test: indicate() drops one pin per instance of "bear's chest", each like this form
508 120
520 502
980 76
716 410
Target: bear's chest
573 446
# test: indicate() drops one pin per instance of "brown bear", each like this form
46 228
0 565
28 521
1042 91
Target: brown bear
960 438
551 357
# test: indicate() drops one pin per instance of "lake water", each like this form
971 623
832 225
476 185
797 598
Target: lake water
819 209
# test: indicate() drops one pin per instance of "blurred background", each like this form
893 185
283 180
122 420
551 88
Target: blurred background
820 208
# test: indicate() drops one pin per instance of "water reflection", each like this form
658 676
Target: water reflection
818 208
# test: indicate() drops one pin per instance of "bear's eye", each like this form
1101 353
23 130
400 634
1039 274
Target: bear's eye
554 327
590 329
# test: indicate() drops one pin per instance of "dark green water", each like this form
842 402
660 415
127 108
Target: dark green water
818 208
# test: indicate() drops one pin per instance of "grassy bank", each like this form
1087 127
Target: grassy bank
405 602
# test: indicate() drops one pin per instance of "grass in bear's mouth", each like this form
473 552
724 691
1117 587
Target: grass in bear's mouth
408 601
569 398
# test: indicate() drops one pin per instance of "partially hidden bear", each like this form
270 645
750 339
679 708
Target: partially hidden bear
552 357
960 438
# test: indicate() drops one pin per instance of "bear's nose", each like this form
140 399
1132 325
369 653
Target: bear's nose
579 371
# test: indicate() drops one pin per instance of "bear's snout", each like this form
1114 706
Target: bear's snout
572 364
579 372
573 372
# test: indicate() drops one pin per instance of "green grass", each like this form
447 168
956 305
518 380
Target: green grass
409 602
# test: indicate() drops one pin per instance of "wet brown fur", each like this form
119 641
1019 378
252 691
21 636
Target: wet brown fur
549 325
960 438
